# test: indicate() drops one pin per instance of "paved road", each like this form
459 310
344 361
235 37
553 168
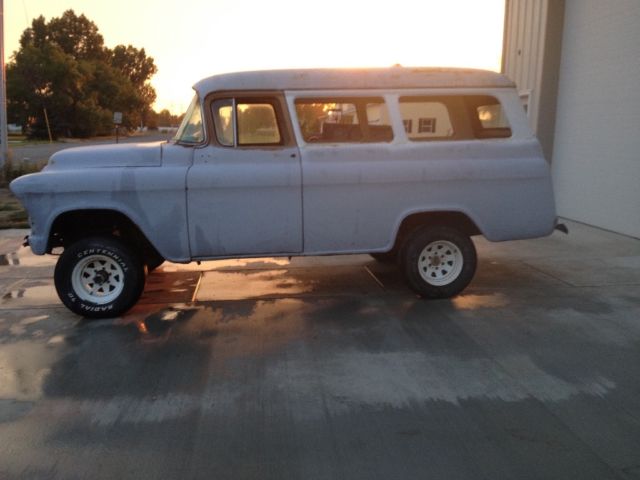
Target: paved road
42 151
328 368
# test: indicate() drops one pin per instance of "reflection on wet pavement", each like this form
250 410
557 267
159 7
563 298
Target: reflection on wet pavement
154 323
10 259
24 257
475 302
242 285
214 280
232 264
291 282
320 368
29 293
170 287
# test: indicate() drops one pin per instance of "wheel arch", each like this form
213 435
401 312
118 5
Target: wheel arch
70 225
449 218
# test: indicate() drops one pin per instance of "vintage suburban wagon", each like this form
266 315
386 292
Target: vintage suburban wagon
403 163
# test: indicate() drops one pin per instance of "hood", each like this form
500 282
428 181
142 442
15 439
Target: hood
101 156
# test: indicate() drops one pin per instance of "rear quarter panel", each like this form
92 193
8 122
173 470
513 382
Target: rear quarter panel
356 195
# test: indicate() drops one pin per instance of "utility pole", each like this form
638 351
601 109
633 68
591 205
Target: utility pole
4 147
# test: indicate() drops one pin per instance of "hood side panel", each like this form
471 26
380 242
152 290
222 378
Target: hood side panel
102 156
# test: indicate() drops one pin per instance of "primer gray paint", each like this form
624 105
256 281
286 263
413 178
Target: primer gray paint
208 201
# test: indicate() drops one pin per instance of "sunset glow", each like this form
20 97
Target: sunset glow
196 38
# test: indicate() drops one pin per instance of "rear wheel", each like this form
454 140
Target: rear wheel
438 262
99 277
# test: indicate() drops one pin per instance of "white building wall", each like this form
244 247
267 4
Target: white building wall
596 151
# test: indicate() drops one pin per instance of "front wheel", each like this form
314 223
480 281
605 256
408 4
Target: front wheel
438 262
153 260
99 277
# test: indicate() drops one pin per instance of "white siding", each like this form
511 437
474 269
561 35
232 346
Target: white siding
531 57
523 52
596 155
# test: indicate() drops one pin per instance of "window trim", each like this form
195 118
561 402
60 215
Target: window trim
213 123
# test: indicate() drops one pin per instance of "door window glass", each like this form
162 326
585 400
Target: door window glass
245 123
257 124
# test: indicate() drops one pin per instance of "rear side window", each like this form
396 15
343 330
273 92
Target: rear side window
453 117
488 117
245 122
425 118
343 120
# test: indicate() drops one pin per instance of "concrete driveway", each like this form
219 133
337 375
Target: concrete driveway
329 368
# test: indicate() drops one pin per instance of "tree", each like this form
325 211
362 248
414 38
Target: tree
75 35
63 66
133 63
139 69
166 119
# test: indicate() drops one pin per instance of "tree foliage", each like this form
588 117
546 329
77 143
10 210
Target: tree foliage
64 67
163 119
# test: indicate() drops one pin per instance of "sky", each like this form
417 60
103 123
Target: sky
193 39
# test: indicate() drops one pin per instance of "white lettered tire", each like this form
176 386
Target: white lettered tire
99 277
438 262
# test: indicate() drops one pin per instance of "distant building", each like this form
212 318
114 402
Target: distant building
577 65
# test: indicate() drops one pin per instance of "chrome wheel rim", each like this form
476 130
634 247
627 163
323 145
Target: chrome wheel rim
440 262
97 279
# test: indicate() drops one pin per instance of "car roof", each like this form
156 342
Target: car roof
358 78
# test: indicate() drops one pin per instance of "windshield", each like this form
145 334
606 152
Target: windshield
191 130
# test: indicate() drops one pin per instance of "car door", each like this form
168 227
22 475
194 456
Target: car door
244 188
351 194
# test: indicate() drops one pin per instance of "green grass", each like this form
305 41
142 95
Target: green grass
7 207
12 215
21 140
12 170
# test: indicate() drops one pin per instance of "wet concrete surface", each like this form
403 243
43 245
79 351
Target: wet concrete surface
331 368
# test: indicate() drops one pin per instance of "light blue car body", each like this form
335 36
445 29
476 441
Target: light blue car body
208 201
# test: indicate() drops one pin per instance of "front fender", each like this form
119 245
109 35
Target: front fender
154 199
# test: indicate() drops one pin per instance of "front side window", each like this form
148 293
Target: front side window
257 124
245 123
191 130
337 120
430 116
